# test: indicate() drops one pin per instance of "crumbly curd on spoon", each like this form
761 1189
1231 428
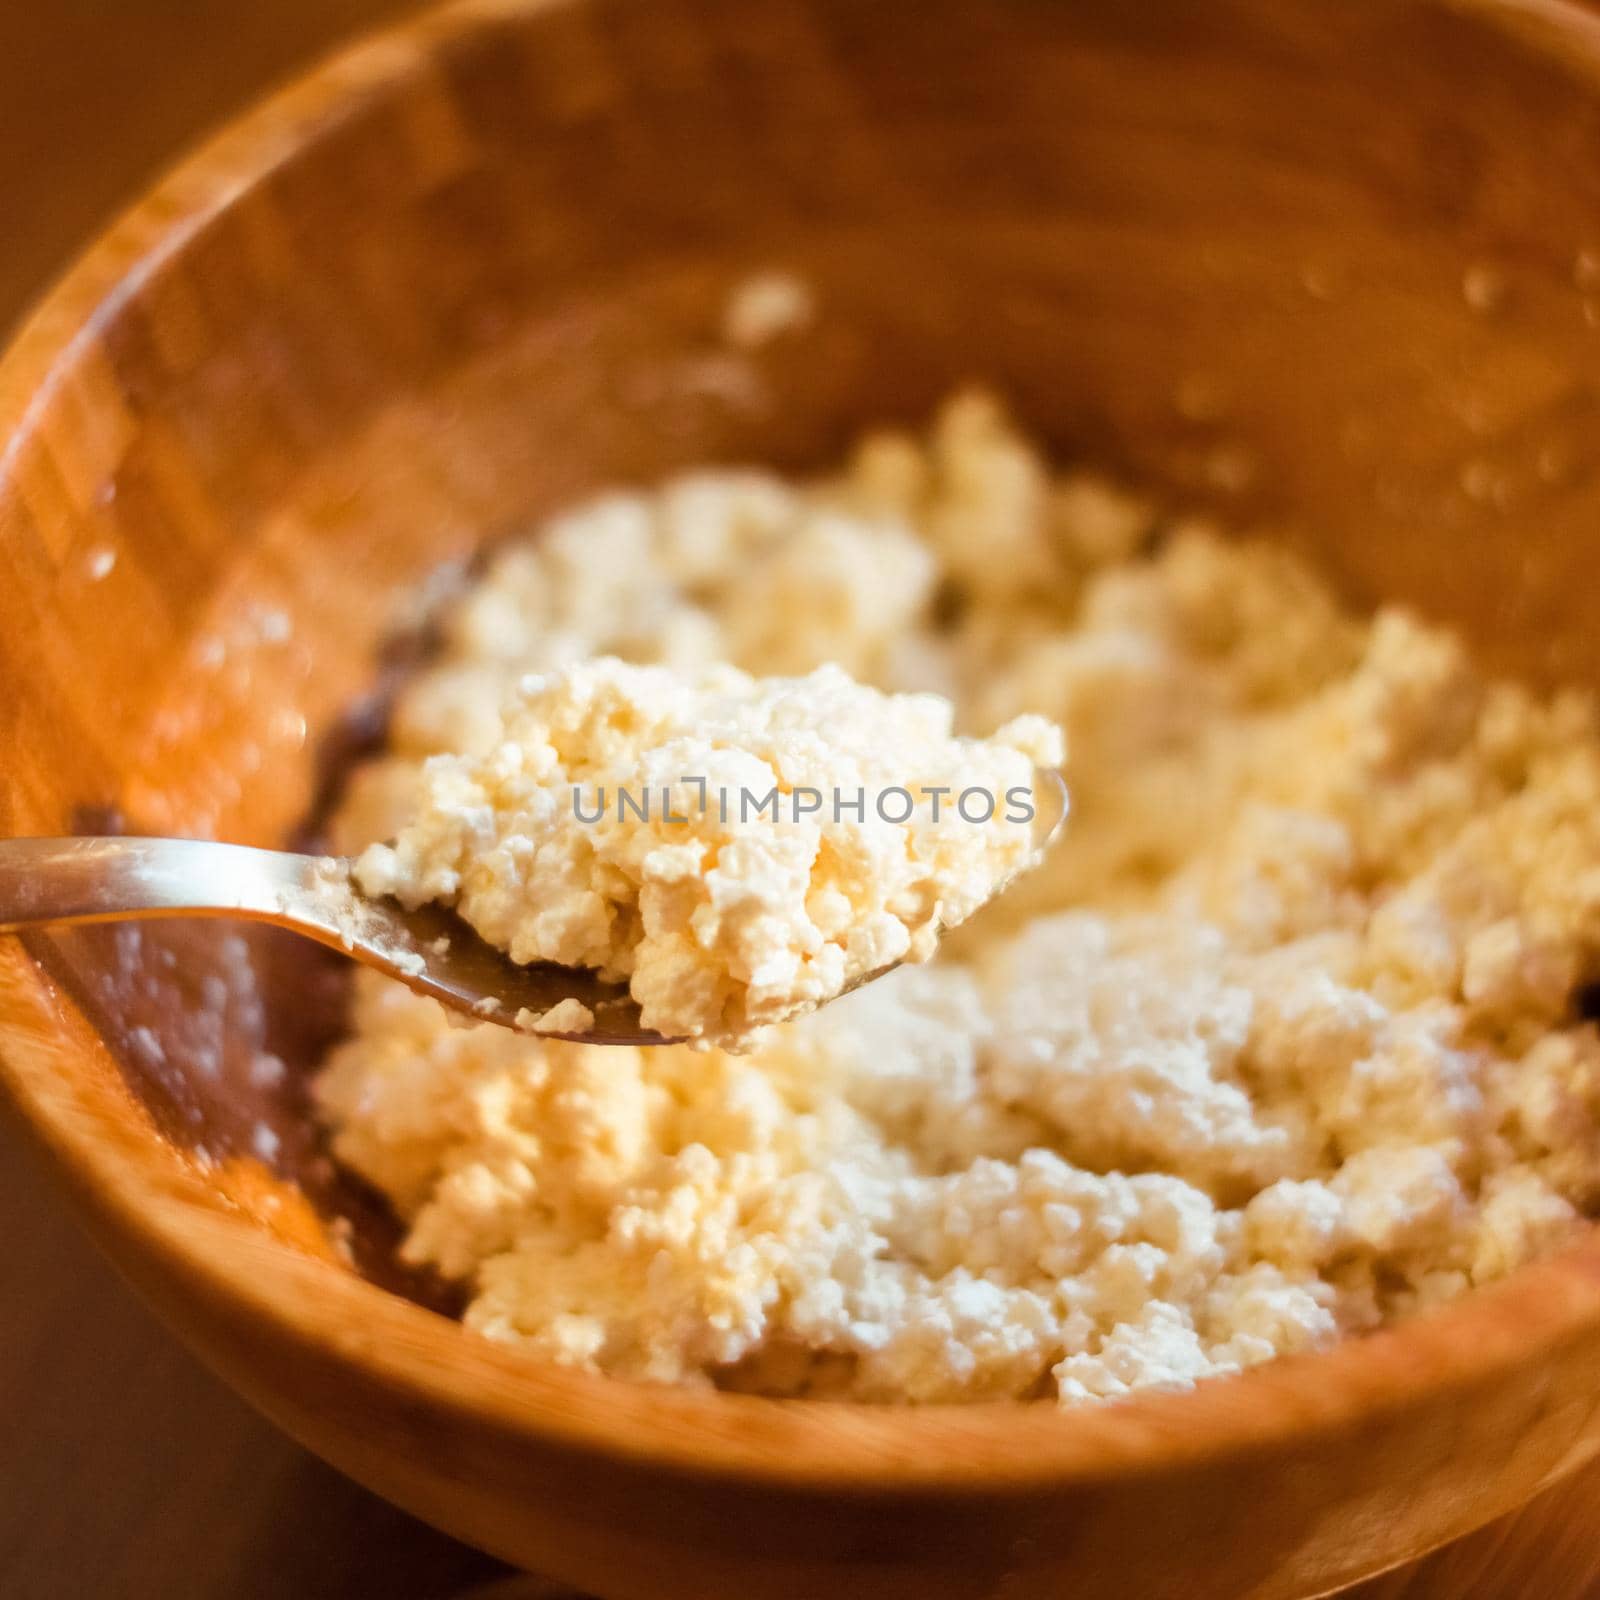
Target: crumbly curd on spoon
740 850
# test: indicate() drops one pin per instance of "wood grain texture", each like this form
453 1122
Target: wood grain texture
98 97
477 267
125 1468
128 1471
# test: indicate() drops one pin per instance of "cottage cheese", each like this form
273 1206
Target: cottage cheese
740 850
1284 1040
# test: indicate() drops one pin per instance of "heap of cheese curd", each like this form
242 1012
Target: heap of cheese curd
740 850
1283 1041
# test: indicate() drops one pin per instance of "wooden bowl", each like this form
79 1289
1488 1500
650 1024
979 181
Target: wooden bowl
1335 263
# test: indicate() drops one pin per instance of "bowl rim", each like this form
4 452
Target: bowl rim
143 1194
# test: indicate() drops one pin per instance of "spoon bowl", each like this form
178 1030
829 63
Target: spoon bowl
78 881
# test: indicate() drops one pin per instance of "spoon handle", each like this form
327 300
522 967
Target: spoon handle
108 880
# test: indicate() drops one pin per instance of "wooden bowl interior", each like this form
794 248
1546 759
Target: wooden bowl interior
1336 268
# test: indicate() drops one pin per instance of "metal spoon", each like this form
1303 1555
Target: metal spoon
430 950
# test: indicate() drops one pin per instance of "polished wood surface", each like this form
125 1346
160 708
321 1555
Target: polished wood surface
423 318
127 1469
